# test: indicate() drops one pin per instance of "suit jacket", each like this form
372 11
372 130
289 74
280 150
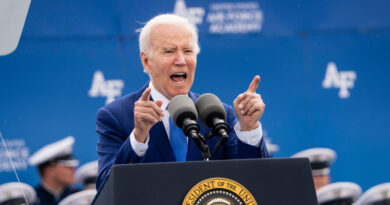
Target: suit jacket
115 122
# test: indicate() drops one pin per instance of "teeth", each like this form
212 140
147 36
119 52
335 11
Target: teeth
179 74
179 77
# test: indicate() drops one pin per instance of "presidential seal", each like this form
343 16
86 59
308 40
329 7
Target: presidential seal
219 191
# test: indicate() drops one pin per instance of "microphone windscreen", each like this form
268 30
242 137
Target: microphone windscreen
180 107
209 106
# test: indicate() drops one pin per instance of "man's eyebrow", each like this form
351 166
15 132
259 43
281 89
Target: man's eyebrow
168 48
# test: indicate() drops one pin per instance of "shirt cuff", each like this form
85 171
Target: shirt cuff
252 137
138 147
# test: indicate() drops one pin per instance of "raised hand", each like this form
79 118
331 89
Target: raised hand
146 114
249 106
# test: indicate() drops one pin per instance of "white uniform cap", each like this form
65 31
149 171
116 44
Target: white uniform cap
80 198
341 192
60 151
272 148
320 159
87 173
15 191
378 194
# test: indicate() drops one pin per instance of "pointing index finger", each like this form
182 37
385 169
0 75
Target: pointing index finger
253 86
145 95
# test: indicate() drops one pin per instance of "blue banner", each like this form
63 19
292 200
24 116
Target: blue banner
323 68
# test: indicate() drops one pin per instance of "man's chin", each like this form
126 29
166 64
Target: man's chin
180 92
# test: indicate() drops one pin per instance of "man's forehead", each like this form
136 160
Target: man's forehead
168 40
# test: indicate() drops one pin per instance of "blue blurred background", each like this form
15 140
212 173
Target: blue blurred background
74 56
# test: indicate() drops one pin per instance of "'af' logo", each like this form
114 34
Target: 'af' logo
193 14
343 80
105 88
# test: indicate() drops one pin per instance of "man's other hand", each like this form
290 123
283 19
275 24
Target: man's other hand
249 106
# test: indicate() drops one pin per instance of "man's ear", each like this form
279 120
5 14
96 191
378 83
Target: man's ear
145 61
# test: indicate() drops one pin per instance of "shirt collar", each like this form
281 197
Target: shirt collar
158 96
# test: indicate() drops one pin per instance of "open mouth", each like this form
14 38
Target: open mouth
178 77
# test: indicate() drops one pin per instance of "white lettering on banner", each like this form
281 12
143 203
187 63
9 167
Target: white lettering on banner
17 151
193 14
242 17
105 88
343 80
225 17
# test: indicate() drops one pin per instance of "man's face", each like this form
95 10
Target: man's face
172 65
64 175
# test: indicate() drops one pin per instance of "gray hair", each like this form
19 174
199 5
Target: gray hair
144 37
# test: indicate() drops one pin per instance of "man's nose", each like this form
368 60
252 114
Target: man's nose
180 60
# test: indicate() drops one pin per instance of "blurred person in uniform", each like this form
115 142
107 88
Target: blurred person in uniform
339 193
17 193
56 167
84 197
86 175
377 195
321 160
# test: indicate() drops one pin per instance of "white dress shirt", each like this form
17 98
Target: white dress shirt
252 137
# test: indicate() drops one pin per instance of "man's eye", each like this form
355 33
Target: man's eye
168 51
188 51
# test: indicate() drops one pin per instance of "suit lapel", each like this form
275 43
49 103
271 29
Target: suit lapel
159 141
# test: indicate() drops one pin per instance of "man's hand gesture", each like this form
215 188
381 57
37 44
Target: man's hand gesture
249 106
146 114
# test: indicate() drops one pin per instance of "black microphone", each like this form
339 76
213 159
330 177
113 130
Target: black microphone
212 114
184 115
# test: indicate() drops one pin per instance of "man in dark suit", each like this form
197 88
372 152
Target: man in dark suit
136 128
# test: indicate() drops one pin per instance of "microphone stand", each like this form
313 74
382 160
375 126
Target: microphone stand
191 129
220 129
201 143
